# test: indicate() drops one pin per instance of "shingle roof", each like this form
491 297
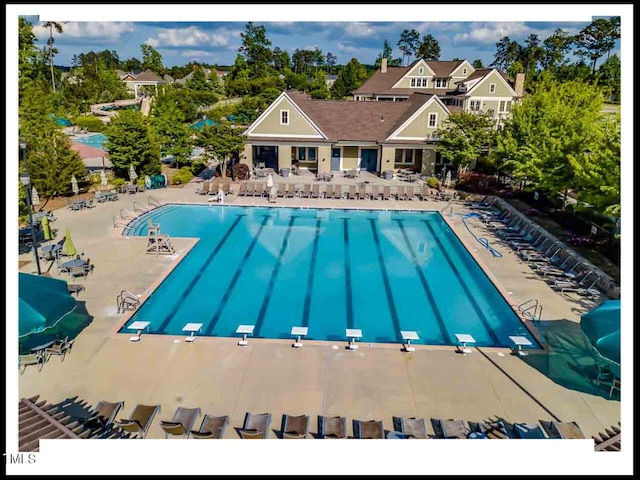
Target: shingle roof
347 120
149 76
382 81
483 72
444 68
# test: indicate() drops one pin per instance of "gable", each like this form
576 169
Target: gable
417 127
269 123
405 81
482 87
457 73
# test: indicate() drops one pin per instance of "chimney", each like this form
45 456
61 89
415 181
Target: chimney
519 85
383 65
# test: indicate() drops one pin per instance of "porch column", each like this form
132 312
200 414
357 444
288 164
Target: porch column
428 161
284 156
246 156
324 159
388 159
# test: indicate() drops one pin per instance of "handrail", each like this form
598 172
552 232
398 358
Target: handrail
139 207
153 202
526 308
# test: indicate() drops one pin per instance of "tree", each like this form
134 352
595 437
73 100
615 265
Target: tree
58 28
429 49
255 47
151 59
387 53
609 77
318 87
408 43
131 141
531 54
171 132
477 63
131 64
464 136
330 62
596 39
556 48
546 139
281 59
349 78
507 52
222 143
27 50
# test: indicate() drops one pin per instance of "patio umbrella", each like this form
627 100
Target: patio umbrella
68 248
133 176
46 228
602 327
447 179
35 198
103 178
74 185
269 181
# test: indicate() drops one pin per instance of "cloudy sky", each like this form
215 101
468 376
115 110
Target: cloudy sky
359 33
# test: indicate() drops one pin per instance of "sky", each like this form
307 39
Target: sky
217 42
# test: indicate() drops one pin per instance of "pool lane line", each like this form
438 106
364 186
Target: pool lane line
272 280
463 284
347 267
387 284
234 280
425 285
314 254
179 302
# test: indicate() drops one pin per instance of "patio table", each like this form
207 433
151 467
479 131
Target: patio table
76 262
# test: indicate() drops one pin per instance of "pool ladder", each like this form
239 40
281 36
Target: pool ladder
531 309
152 202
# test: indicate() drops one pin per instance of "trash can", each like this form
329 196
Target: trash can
388 174
285 172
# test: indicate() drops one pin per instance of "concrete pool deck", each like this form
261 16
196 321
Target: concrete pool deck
322 378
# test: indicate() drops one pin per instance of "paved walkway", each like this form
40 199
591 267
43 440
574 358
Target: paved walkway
323 378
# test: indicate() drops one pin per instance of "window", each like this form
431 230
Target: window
413 82
424 82
508 106
492 88
441 82
464 71
284 117
312 154
474 105
502 106
433 119
408 156
421 70
491 112
304 154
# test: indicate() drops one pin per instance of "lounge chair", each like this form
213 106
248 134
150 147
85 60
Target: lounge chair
255 426
80 271
450 428
491 430
410 193
38 358
332 427
386 192
400 193
295 427
375 193
425 192
411 427
203 189
565 430
315 190
102 416
251 189
526 430
368 429
140 420
362 192
282 190
60 347
329 191
260 189
353 194
181 423
212 427
337 192
306 191
242 190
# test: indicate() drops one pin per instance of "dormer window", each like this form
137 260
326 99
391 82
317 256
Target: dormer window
440 83
492 88
284 117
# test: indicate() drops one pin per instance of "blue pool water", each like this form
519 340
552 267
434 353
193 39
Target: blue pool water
275 268
96 141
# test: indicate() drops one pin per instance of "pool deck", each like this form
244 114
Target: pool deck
322 378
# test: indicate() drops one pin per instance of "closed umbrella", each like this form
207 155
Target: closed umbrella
269 181
74 185
133 176
68 248
103 178
447 179
35 198
46 228
602 327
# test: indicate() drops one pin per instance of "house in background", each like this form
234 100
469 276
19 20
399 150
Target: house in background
208 72
456 83
135 81
333 135
331 79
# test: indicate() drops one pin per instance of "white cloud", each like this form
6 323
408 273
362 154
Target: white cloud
196 53
191 37
342 47
491 33
360 30
92 30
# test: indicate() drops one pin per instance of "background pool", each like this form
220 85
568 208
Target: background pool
329 270
96 141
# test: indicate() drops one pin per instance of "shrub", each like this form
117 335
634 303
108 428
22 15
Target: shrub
116 182
241 171
93 124
182 176
479 183
197 166
433 182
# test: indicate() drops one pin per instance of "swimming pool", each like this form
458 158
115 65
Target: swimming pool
96 141
379 271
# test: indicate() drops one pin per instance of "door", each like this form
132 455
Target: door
335 159
369 159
